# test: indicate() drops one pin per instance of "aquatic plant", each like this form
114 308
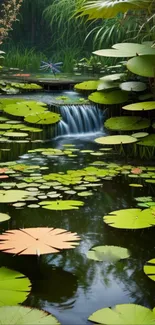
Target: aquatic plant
108 253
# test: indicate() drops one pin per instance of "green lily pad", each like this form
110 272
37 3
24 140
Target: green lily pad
85 193
149 269
61 204
127 123
11 196
24 108
124 314
24 315
4 217
16 134
135 185
109 98
108 253
113 77
148 141
116 139
142 65
14 287
87 85
142 106
143 198
43 118
133 86
139 135
131 218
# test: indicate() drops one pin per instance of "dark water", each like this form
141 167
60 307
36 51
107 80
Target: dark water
69 285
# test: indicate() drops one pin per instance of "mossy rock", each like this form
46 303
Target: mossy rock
87 85
109 98
148 141
127 123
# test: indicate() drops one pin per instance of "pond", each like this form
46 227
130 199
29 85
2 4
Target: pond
68 284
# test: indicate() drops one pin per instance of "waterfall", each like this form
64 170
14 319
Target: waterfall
79 119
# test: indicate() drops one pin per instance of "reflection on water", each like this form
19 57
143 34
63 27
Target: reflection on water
68 284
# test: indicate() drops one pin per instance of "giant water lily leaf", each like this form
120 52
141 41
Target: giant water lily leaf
113 77
43 118
37 241
61 204
108 253
149 269
127 50
4 217
109 98
116 139
10 196
133 86
127 123
143 106
131 218
142 65
125 314
96 9
16 315
9 101
14 287
24 108
148 141
87 85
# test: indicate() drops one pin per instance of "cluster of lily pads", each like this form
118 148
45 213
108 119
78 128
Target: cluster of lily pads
12 88
117 89
33 112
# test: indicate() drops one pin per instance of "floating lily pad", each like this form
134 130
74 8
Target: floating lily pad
11 196
135 185
142 106
139 135
130 218
14 287
43 118
24 108
16 134
113 77
124 314
19 205
4 217
127 123
108 253
142 65
133 86
148 141
24 315
87 85
149 269
109 98
116 139
143 198
61 204
85 193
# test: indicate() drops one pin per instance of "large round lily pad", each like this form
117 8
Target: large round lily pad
16 315
108 253
142 65
10 196
24 108
133 86
87 85
4 217
109 98
43 118
149 269
124 314
116 139
14 287
148 141
113 77
131 218
143 106
127 123
61 204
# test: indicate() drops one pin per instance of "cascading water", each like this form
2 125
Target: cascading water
79 119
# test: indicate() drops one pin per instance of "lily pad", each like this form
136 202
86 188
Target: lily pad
108 253
142 65
131 218
16 134
109 98
149 269
148 141
24 108
61 204
24 315
124 314
43 118
4 217
133 86
139 135
127 123
10 196
87 85
142 106
14 287
116 139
